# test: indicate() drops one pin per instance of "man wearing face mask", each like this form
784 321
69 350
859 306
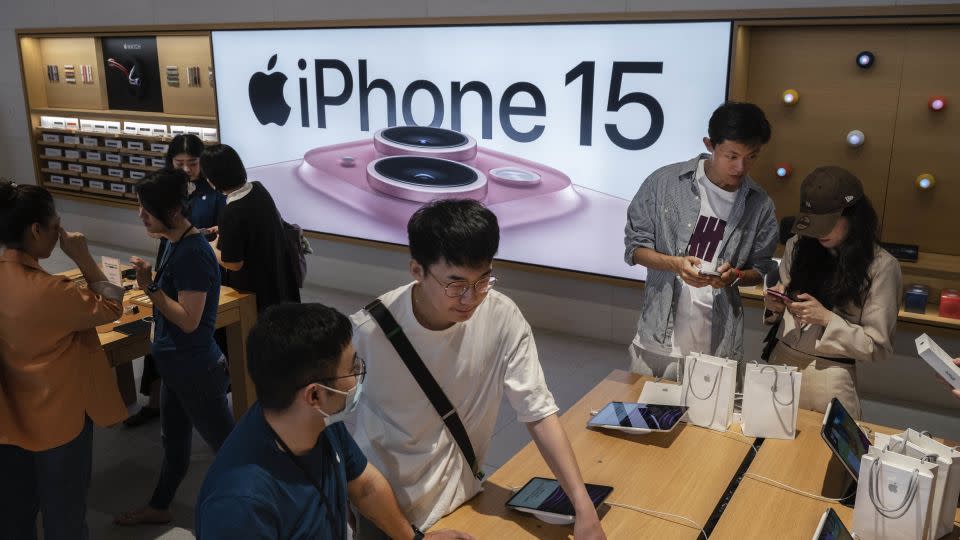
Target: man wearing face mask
290 467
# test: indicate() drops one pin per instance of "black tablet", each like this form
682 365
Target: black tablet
545 497
844 437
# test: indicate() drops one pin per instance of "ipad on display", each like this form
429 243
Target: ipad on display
844 437
831 528
545 498
638 417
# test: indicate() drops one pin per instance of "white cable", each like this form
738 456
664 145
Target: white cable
661 515
654 513
793 489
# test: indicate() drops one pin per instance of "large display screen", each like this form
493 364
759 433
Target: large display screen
553 126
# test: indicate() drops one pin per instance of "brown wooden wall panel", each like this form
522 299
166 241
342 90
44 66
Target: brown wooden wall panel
927 142
184 52
75 51
836 96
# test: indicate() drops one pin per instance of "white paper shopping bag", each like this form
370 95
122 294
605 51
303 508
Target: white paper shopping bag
920 445
894 496
771 399
708 386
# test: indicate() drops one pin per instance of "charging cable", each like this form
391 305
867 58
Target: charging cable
678 519
781 485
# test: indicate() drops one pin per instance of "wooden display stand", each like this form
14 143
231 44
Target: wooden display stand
102 165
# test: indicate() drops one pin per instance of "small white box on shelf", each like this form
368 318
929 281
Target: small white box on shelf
57 179
71 139
97 184
95 156
89 141
51 137
56 165
138 160
72 154
135 145
113 158
118 173
53 152
93 169
77 182
137 175
158 162
75 167
113 143
118 188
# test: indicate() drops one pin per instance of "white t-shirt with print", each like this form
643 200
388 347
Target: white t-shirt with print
693 325
476 363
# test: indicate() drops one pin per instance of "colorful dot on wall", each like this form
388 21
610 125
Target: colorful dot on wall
926 181
790 97
865 59
856 138
937 103
783 170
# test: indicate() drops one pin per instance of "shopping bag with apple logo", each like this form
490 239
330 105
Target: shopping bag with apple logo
894 496
708 387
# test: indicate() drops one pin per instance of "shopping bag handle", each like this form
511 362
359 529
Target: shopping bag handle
776 386
716 381
875 489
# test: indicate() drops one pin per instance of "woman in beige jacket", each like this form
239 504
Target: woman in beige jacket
843 290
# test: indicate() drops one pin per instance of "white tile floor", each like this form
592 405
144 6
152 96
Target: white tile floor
126 461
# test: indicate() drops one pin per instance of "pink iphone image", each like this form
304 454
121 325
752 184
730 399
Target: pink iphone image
391 175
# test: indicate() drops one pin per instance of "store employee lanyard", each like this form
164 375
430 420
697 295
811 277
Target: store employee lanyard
331 517
168 254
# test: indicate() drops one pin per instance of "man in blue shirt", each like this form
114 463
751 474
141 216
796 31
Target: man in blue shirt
290 466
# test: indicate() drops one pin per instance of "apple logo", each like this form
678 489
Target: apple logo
266 96
893 487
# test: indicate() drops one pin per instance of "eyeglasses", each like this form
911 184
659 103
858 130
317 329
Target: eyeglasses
456 289
359 370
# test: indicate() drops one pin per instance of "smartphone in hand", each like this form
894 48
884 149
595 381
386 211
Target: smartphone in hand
778 295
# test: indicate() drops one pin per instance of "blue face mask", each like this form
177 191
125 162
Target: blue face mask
353 398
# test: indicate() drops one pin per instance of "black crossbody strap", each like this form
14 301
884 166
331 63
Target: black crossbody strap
439 400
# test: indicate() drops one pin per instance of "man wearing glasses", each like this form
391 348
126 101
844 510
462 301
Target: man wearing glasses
477 346
289 467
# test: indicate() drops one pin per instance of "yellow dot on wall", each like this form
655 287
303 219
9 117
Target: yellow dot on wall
790 97
926 181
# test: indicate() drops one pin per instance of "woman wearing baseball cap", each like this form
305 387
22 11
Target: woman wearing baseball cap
844 290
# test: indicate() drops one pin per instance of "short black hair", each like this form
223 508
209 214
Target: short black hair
164 193
743 123
461 231
293 345
20 207
222 166
187 143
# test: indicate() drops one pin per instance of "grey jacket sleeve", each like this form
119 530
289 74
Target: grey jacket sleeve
641 230
765 244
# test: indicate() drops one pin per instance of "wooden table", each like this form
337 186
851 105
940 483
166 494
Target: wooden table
237 312
684 472
760 509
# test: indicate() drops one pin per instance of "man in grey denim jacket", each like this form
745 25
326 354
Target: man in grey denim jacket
701 228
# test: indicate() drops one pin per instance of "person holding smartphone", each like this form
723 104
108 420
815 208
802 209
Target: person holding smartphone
205 203
55 381
702 228
842 291
185 292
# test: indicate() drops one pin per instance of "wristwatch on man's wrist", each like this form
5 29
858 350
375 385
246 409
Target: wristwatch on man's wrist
417 533
152 287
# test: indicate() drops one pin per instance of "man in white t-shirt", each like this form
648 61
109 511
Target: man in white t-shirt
701 228
476 344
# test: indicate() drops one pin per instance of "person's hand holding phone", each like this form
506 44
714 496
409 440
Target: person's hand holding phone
144 272
808 310
775 299
727 275
689 271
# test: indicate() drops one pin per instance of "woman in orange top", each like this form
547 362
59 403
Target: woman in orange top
55 381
